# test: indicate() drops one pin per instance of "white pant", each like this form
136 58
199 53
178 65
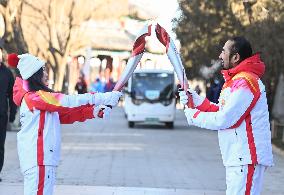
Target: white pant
39 180
244 180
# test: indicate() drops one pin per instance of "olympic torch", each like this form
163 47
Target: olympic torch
137 53
174 58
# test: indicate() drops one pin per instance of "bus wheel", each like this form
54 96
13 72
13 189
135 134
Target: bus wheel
130 124
170 125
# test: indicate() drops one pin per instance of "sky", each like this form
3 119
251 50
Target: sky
166 10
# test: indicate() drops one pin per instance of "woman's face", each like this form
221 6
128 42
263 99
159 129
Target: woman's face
45 76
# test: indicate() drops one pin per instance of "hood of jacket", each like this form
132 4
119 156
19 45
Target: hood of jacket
19 90
252 64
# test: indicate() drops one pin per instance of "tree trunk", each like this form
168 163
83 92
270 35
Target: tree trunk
61 70
13 39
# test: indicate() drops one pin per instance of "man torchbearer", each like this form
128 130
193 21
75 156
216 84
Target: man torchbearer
241 118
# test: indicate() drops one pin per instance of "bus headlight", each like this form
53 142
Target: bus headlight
166 102
137 102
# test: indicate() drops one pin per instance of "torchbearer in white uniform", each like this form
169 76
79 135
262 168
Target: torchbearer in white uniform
241 118
41 112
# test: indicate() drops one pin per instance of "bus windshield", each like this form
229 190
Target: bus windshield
152 87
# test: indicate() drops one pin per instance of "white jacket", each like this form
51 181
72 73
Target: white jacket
41 114
241 117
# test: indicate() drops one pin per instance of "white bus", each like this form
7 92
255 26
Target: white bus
150 97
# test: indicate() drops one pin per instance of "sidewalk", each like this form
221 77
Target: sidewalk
14 189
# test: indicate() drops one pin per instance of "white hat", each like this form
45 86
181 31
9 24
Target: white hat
28 65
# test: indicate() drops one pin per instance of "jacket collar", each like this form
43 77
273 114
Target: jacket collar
252 64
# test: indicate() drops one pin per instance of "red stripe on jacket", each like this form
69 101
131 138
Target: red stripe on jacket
196 114
40 151
251 142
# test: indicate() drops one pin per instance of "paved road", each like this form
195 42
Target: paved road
106 157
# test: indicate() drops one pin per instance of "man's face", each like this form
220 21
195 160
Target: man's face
227 62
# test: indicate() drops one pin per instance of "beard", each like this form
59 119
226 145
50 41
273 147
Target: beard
227 67
223 65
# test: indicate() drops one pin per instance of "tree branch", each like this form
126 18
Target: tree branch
38 11
41 32
54 50
71 19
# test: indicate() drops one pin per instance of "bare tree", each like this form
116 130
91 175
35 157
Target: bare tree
13 38
56 29
56 25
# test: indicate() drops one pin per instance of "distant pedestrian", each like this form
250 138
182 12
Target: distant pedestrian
97 86
6 104
241 118
214 91
81 85
42 111
109 85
